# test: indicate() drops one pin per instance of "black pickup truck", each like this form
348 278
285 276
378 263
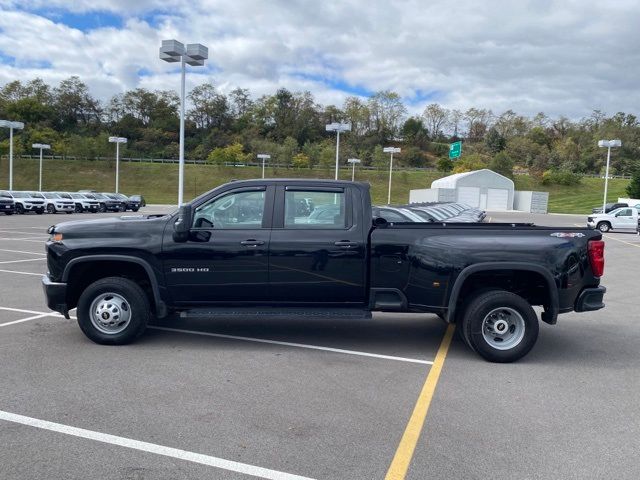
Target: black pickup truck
246 248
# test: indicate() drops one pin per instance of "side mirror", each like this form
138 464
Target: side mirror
183 224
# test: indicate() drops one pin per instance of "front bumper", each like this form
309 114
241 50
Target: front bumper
56 295
590 299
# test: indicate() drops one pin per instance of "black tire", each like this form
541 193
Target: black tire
102 208
19 209
604 227
135 298
8 213
135 209
40 211
491 305
51 209
78 208
68 213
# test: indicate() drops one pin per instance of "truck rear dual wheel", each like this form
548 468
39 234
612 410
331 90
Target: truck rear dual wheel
113 311
500 326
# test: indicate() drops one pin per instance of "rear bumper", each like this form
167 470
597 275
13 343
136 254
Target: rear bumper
56 295
590 299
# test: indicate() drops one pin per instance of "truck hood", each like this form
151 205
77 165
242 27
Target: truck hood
112 227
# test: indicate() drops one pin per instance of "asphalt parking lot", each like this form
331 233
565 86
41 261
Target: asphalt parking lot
322 399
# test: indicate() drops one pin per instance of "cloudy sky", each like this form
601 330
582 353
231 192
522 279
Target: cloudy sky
561 57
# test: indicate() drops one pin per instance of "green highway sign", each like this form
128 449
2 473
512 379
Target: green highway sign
455 150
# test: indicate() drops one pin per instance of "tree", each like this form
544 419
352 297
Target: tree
231 154
210 109
469 163
502 164
387 112
633 189
436 119
444 165
300 160
495 141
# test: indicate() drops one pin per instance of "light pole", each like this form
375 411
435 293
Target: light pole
338 127
11 125
117 141
353 162
390 150
194 54
41 146
263 157
608 144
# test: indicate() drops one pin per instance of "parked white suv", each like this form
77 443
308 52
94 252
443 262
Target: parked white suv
84 202
625 218
28 202
54 203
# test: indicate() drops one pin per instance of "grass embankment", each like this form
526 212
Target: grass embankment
158 182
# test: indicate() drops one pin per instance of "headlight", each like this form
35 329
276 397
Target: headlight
55 238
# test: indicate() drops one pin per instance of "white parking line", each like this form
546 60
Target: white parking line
27 239
22 273
24 260
14 232
252 339
22 251
216 462
35 317
297 345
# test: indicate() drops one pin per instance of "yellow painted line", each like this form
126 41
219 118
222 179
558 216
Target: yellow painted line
618 240
402 459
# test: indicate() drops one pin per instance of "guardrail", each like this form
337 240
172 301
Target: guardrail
257 164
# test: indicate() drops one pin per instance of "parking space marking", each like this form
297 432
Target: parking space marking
622 241
24 260
402 459
22 251
35 317
16 232
297 345
33 312
28 239
22 273
202 459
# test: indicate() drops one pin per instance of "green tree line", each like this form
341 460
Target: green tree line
290 126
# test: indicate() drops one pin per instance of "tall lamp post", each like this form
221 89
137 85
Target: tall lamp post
338 127
263 157
390 150
41 146
11 126
353 162
117 141
608 144
194 54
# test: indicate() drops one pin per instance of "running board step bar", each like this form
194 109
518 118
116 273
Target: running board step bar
347 313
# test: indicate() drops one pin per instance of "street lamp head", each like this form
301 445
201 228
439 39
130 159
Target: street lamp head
172 48
264 156
197 51
42 146
354 160
117 140
391 149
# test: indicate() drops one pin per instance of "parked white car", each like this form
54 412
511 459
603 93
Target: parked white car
625 218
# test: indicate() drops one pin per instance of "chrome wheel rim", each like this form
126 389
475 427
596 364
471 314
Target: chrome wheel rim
503 328
110 313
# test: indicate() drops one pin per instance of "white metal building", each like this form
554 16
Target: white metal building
483 189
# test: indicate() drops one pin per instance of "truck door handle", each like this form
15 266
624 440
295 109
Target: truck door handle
346 244
252 243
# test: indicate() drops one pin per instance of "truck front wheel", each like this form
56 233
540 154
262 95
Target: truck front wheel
500 326
113 311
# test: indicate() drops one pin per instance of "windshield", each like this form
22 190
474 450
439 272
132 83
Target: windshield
51 195
5 194
36 195
98 196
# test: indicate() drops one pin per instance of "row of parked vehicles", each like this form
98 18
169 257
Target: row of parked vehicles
21 202
430 212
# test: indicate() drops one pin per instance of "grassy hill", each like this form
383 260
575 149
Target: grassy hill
158 182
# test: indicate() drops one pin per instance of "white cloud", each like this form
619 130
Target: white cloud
564 57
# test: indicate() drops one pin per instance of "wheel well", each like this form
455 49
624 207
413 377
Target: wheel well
604 221
85 273
530 285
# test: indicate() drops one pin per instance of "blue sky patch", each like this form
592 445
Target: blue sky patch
336 84
81 21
